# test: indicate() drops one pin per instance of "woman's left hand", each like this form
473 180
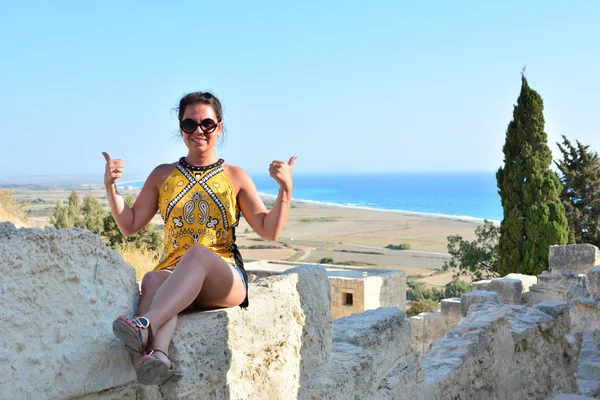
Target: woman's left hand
282 173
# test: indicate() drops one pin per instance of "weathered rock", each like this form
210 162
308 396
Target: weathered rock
509 290
585 315
526 280
575 258
451 308
426 328
289 313
577 291
588 374
553 286
503 352
526 299
481 285
60 291
592 282
371 359
476 297
562 396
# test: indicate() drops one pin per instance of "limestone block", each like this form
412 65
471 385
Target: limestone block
585 315
121 393
503 352
562 396
60 291
576 290
526 280
553 286
451 308
509 290
481 285
592 282
573 257
265 351
526 299
475 297
553 308
377 332
588 374
426 328
417 333
371 359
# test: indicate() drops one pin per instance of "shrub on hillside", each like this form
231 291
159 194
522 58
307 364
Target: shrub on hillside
419 306
12 206
401 246
456 289
91 216
418 291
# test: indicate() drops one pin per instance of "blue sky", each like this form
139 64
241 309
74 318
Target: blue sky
345 86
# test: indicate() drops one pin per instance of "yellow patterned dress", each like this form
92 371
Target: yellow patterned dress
198 206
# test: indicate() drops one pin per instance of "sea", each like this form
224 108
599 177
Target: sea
471 196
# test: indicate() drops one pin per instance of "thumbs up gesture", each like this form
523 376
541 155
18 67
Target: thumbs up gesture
281 171
114 170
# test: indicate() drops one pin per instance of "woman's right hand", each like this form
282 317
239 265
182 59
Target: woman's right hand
113 171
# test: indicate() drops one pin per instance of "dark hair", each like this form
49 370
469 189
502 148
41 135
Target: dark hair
200 98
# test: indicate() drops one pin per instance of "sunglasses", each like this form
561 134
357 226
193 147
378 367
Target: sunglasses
207 125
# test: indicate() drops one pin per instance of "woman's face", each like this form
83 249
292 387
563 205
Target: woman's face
198 141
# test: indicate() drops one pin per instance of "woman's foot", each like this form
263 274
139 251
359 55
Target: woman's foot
136 333
156 368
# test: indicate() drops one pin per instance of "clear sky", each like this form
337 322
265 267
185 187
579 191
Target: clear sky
345 86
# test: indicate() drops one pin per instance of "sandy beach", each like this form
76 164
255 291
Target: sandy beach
347 235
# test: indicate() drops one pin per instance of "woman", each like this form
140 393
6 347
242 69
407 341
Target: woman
200 198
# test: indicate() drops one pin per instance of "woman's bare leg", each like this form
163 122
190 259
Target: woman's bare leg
162 337
201 277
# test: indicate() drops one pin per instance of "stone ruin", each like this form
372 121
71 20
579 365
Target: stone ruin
61 289
574 280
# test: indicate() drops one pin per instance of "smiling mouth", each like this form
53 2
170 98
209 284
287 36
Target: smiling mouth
198 139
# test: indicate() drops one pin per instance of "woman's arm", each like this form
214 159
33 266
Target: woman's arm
131 220
267 224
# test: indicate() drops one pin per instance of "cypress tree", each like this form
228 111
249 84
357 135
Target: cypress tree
580 176
534 217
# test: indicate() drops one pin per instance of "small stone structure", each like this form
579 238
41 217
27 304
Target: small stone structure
353 290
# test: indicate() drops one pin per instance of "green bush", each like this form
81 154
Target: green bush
401 246
91 216
418 291
326 260
457 289
419 306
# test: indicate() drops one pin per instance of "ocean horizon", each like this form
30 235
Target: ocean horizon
471 196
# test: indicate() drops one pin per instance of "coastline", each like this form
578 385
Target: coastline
464 218
352 235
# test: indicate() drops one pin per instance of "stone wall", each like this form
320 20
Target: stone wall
569 265
61 289
386 290
347 296
504 352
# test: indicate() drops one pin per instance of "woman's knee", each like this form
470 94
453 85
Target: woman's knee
198 252
152 281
